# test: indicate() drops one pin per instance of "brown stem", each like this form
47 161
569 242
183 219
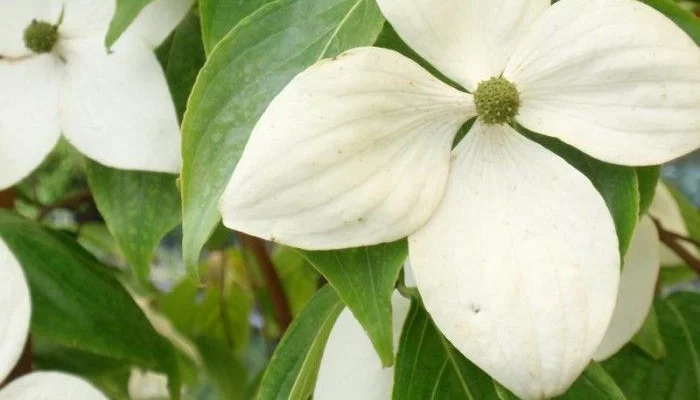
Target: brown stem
68 202
280 304
685 239
7 198
670 240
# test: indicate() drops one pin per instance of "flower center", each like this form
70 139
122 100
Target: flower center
40 36
497 101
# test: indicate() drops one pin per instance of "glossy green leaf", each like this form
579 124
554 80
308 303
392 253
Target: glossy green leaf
617 184
649 337
182 56
220 16
125 13
677 376
77 303
594 383
242 75
226 372
299 279
648 178
682 17
429 367
293 369
364 278
139 209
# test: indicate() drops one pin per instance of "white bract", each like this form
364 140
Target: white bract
15 312
514 251
350 368
114 106
148 385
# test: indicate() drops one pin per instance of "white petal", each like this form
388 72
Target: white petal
519 266
467 40
15 16
350 368
355 151
665 209
148 385
158 19
29 124
86 19
15 311
614 78
50 386
636 292
117 108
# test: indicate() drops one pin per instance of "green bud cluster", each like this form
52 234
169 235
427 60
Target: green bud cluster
497 101
40 36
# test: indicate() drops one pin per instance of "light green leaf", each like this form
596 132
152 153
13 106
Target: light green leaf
364 278
243 74
125 13
678 375
617 184
220 16
429 367
182 56
293 369
648 178
649 337
682 17
139 209
77 303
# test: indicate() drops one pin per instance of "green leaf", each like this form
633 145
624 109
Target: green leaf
242 75
223 368
617 184
299 279
364 278
649 339
648 178
220 16
293 369
182 56
139 209
77 303
429 367
682 17
594 383
124 15
678 375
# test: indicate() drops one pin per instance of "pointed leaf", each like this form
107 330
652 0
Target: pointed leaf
77 303
243 74
678 375
648 179
292 372
220 16
139 209
364 279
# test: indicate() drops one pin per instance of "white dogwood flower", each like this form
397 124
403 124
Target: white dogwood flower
57 77
15 312
350 368
514 251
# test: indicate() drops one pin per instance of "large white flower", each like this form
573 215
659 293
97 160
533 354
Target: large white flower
514 251
115 107
15 311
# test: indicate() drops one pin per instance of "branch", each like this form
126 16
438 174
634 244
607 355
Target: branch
671 240
7 198
283 312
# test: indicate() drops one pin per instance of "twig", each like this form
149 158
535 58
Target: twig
283 312
670 240
7 198
68 202
685 239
